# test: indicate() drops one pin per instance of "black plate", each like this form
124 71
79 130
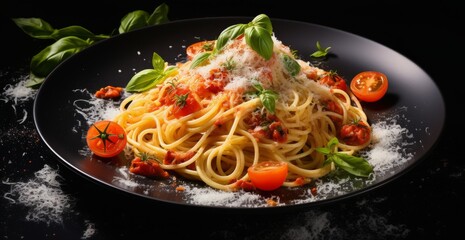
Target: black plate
413 101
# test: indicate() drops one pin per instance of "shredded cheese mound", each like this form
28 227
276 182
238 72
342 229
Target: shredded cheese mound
42 195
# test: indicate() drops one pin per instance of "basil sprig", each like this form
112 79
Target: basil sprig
354 165
200 59
47 59
320 52
73 39
148 78
267 97
139 18
257 35
291 65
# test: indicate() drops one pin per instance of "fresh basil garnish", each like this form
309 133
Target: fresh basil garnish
72 39
149 78
291 65
354 165
47 59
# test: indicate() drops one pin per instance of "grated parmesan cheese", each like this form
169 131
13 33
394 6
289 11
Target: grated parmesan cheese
388 148
94 109
42 195
18 92
386 152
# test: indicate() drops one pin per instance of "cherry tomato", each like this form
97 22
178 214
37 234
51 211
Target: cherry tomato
333 80
184 103
369 86
357 133
198 47
106 138
147 167
268 175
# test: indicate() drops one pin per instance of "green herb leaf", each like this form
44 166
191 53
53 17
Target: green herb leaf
229 33
144 80
133 20
267 97
325 151
149 78
263 21
157 62
47 59
159 15
320 51
76 31
291 65
139 19
67 39
259 39
35 27
34 81
257 35
200 59
354 165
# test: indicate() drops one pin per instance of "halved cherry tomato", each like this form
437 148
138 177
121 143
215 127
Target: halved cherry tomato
198 47
268 175
106 138
369 86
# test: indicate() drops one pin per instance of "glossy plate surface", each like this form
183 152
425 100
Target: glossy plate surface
413 102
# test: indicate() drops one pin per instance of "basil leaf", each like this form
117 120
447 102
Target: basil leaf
291 65
318 54
323 150
133 20
144 80
47 59
352 164
34 81
35 27
200 59
333 142
76 31
263 21
268 99
320 51
229 33
259 39
159 15
157 62
170 70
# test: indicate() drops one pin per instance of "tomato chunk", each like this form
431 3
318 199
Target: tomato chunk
109 92
148 168
357 133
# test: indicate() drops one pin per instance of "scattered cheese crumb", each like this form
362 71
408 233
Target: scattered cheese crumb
42 195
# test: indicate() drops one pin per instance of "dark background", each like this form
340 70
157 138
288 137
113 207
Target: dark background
425 203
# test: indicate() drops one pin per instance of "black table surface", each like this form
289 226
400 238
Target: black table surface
424 203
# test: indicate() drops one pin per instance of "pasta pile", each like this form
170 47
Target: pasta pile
211 122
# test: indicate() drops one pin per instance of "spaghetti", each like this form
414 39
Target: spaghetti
213 121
